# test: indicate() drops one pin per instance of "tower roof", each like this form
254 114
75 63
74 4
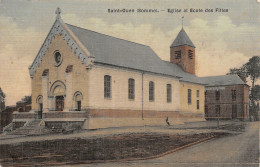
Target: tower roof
182 39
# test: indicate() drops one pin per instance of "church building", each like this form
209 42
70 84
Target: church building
102 81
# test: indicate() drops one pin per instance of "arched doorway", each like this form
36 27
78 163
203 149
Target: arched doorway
39 101
58 92
77 99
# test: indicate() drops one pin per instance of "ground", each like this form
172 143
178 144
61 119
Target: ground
77 150
241 150
161 143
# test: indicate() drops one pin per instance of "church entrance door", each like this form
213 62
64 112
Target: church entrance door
59 103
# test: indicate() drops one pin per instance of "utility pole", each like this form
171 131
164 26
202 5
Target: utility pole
218 120
218 114
182 18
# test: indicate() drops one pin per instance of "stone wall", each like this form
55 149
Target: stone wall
74 114
119 90
131 118
6 118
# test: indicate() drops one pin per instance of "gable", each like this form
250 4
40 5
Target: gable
59 28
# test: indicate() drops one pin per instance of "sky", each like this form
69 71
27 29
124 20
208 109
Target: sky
223 40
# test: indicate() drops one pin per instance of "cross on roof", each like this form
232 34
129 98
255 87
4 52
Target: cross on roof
182 18
58 12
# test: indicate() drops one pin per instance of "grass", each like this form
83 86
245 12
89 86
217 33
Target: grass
80 150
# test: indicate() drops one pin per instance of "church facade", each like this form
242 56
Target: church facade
101 81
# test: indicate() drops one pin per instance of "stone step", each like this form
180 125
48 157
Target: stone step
29 128
20 132
31 125
34 123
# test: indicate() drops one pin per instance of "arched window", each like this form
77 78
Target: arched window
20 109
78 98
107 86
151 91
131 88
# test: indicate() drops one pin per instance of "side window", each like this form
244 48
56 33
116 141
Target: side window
217 93
131 88
189 96
198 104
217 110
107 86
234 95
169 93
198 93
151 91
206 111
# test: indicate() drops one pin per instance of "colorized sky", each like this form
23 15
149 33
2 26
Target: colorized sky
223 40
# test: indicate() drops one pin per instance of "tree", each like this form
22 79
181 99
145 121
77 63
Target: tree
2 93
27 99
241 72
252 70
2 100
255 93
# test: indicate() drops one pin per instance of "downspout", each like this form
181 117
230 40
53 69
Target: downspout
142 95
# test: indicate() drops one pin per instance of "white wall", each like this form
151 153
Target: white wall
119 98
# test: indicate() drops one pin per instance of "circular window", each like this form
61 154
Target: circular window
57 58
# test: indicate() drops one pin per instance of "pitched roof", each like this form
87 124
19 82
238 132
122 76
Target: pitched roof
222 80
182 39
186 77
118 52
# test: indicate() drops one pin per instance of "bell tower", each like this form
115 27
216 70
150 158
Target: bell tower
182 52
